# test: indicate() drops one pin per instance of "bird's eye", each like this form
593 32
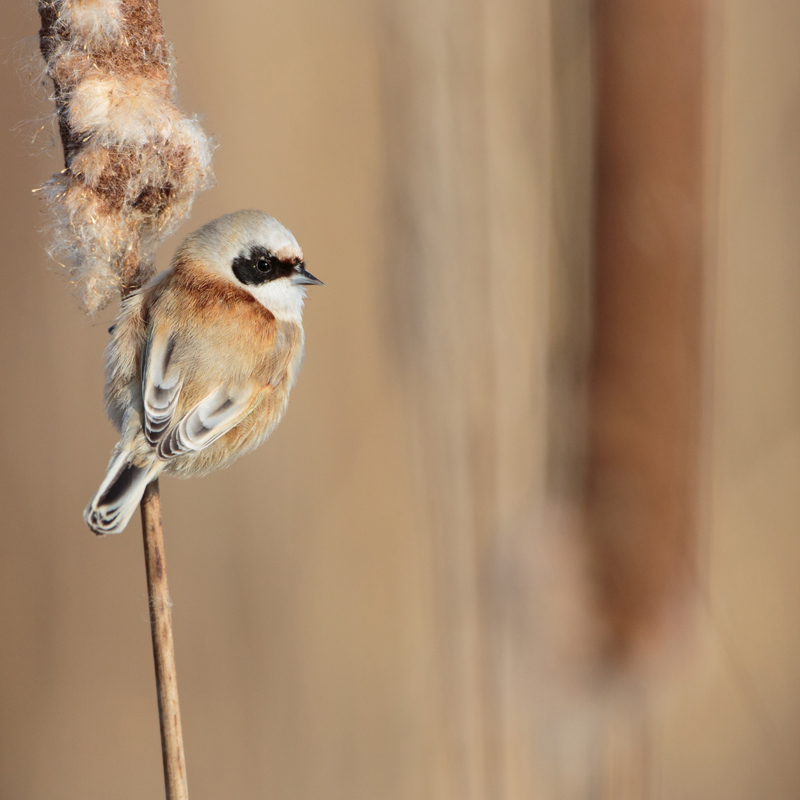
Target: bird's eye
262 265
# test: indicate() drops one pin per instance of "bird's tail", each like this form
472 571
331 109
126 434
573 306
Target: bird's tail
110 510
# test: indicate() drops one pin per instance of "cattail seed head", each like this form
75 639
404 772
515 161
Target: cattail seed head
134 161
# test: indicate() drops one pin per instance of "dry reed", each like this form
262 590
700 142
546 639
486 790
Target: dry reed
134 163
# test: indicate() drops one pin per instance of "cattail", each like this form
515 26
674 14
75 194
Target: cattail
134 161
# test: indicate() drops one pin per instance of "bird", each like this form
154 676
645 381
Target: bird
202 359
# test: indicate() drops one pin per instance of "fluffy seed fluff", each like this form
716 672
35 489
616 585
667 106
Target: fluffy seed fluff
134 161
92 20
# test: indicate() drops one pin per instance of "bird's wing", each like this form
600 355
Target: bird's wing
161 384
170 432
212 417
178 419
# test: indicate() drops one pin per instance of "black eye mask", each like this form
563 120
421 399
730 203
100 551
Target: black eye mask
260 266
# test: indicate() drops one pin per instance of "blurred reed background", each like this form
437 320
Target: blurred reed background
529 526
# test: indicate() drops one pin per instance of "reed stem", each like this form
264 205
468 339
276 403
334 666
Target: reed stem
163 647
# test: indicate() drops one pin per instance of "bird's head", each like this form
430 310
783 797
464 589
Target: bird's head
255 252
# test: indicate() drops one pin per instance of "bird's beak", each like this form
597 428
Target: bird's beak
302 277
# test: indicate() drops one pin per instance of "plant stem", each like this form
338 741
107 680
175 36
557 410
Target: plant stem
163 648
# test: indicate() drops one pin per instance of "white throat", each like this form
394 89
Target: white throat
282 297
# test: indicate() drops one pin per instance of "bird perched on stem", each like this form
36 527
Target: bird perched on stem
202 359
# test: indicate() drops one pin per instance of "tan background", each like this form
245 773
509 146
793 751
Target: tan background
302 577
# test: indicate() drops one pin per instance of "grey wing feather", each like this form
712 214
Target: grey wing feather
161 386
211 418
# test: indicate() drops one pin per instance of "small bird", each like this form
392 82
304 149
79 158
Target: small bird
202 359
